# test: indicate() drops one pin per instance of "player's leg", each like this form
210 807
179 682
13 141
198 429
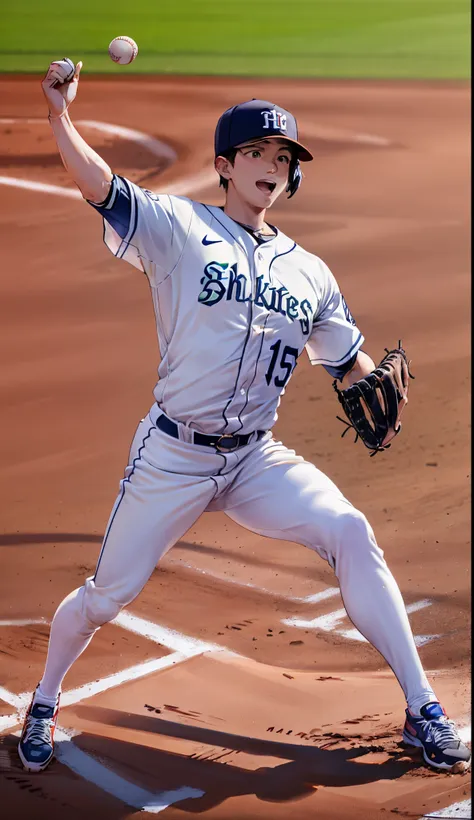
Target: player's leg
155 507
278 494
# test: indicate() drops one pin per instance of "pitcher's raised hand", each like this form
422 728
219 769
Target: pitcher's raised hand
60 85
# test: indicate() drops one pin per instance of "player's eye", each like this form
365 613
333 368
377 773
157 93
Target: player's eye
284 158
255 154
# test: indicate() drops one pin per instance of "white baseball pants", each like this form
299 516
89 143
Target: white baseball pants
266 488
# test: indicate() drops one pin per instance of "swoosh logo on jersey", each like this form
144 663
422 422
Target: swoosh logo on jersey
207 241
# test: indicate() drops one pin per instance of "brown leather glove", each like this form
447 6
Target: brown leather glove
375 403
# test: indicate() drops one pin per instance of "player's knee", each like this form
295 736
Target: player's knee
98 606
355 539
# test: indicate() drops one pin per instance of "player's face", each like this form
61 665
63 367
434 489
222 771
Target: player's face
260 171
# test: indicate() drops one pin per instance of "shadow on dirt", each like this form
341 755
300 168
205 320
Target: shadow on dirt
14 539
211 770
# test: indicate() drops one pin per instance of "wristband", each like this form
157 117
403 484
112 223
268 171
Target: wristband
51 118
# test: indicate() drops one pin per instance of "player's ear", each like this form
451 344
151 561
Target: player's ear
223 167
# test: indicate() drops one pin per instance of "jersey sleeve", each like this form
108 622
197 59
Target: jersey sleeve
335 337
140 227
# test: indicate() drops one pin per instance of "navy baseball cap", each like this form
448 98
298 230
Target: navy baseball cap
257 119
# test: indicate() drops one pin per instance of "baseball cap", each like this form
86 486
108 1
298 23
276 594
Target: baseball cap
257 119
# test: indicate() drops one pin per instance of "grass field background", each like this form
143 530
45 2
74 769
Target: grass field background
306 38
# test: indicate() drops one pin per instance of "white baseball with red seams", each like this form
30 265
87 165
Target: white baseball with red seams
123 50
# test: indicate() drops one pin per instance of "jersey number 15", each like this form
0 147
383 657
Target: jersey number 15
287 364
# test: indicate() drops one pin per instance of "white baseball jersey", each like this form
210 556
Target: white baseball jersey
232 314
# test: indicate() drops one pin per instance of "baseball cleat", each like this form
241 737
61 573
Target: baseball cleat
437 736
36 746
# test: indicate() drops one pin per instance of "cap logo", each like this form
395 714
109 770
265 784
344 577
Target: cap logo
274 119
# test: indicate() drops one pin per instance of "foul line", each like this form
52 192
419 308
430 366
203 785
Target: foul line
315 598
140 670
164 636
185 648
343 135
460 811
183 186
41 187
86 766
331 621
130 794
10 698
155 146
7 721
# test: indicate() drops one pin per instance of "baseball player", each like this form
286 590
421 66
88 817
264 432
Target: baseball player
236 302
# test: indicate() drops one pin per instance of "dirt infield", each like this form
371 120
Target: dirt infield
302 719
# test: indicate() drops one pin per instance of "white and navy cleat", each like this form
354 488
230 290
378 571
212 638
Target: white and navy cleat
438 738
36 746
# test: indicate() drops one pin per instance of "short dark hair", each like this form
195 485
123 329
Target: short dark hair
230 155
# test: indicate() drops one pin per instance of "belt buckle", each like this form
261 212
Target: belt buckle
230 449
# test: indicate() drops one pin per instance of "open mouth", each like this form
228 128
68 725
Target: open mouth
266 186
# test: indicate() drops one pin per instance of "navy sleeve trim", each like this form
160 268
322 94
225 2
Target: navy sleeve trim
133 221
355 347
117 207
340 372
112 193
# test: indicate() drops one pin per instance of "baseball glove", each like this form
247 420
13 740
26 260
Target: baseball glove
375 403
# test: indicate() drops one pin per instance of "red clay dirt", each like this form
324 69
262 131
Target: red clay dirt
302 721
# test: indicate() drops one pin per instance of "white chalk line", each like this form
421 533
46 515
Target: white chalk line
155 146
185 648
162 635
89 690
315 598
185 186
40 187
10 698
7 721
182 187
330 134
24 622
331 621
465 733
457 811
191 184
140 670
86 766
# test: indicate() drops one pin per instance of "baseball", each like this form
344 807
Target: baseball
65 69
123 50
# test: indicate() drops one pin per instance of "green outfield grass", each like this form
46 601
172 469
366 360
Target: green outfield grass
306 38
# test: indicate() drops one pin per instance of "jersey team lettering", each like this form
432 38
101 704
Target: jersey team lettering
221 280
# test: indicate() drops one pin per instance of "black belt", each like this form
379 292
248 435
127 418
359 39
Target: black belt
226 443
